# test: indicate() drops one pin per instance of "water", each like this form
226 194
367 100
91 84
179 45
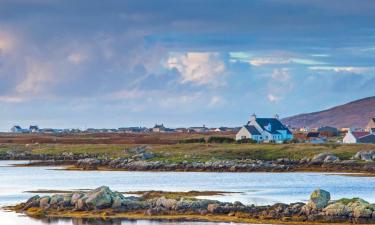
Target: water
254 188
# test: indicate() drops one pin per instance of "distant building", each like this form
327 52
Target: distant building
198 129
180 130
328 131
315 138
223 129
265 130
353 137
158 128
34 128
16 129
133 129
371 125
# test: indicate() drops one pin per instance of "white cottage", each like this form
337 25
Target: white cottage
265 130
353 137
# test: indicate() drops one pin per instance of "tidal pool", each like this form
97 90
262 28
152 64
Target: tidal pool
252 188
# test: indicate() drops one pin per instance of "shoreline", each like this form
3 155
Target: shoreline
350 169
102 203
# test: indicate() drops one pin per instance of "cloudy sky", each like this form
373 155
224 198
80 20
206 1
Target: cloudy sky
115 63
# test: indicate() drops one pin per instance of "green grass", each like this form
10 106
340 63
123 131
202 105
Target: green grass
200 151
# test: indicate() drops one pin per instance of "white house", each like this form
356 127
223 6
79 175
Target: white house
265 130
352 137
16 129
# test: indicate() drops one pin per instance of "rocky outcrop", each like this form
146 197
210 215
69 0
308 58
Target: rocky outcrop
318 209
368 156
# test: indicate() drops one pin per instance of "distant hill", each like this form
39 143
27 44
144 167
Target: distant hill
352 114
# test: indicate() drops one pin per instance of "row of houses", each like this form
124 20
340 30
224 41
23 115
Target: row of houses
158 128
272 130
203 129
366 136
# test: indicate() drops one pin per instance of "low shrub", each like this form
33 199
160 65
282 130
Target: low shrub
192 140
246 140
214 139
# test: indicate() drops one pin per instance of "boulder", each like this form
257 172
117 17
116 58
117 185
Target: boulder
213 208
360 208
117 202
32 202
336 209
166 203
99 198
75 197
318 200
324 157
88 163
44 202
331 159
56 200
365 155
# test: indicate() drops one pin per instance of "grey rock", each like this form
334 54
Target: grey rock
336 209
99 198
75 198
44 202
318 200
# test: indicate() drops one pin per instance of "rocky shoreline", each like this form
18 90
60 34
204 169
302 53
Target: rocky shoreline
142 160
105 203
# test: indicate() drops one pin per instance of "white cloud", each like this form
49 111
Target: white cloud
77 58
38 75
269 61
202 68
273 98
216 101
279 84
263 61
11 99
344 69
7 41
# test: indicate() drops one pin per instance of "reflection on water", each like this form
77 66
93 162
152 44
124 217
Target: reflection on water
251 188
10 218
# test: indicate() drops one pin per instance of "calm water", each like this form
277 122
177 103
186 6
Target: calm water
255 188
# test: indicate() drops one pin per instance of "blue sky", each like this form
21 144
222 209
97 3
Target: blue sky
113 63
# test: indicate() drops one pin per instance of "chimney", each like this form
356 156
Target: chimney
253 117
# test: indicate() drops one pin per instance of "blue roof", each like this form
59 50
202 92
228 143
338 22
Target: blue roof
275 125
252 130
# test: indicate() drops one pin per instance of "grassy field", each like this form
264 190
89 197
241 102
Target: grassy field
197 151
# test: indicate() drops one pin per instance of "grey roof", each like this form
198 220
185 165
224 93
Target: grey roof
252 130
312 134
367 139
275 125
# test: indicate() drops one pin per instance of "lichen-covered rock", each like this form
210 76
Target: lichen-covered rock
325 157
56 200
32 202
166 203
365 155
213 208
75 197
336 209
318 200
99 198
44 202
331 159
360 208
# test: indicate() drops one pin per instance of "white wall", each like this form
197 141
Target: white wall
243 132
349 138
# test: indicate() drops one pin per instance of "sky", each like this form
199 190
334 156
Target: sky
118 63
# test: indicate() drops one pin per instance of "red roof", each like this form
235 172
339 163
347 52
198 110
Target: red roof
358 134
